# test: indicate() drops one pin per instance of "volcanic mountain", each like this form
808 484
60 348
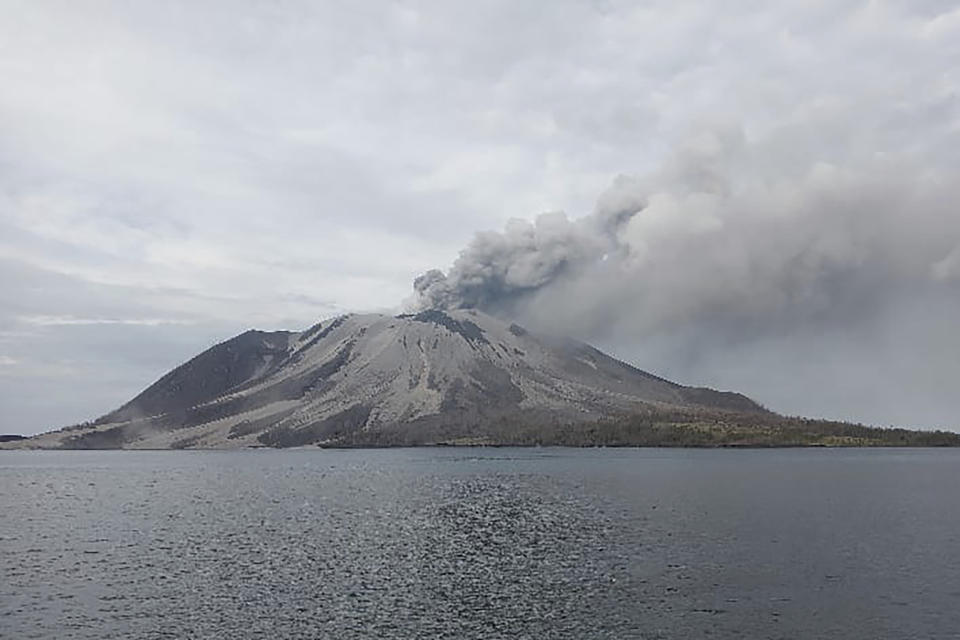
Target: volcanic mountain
426 378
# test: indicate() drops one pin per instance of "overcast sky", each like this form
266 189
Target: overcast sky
174 173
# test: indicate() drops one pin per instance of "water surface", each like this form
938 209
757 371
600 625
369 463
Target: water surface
480 543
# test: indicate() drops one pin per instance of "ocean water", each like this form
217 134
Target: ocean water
480 543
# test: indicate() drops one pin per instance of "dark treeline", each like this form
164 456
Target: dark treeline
658 428
650 427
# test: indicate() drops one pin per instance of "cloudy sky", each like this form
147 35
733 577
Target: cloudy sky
760 196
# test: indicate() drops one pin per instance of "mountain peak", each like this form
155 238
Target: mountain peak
415 378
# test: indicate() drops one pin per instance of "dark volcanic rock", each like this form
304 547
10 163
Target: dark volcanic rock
208 376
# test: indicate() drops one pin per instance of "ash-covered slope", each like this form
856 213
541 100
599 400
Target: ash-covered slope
375 379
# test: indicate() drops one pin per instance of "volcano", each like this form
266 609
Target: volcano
370 379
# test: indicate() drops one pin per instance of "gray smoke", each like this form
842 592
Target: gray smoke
499 270
729 254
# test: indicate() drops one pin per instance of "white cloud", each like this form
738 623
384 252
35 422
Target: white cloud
67 321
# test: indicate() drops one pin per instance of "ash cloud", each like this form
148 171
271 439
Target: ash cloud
730 266
499 270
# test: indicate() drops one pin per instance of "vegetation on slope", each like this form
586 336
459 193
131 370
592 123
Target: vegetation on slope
663 428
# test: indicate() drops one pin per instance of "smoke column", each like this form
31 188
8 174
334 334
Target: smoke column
736 263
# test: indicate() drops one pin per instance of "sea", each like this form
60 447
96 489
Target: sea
462 543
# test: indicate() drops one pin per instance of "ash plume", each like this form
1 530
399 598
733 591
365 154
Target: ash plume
730 253
498 269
